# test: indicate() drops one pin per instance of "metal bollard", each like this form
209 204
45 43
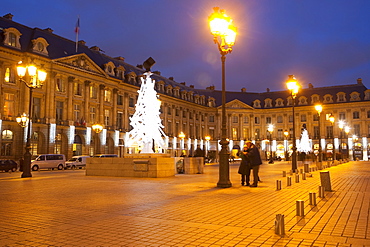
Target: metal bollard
304 176
300 207
278 184
284 174
297 178
321 192
306 168
289 181
313 198
301 170
280 225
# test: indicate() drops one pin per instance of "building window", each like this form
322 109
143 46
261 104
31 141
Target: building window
280 133
256 120
106 117
92 115
356 115
77 89
119 120
329 132
211 119
315 117
279 119
8 104
169 110
93 92
303 118
59 111
268 120
184 114
316 132
245 133
107 95
290 118
119 99
77 112
9 75
12 41
235 133
356 130
342 116
36 108
246 119
131 102
257 134
59 85
368 114
7 142
235 119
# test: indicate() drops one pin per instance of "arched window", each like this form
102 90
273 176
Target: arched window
7 143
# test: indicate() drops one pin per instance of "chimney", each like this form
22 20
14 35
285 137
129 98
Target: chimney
120 58
268 90
182 83
8 16
310 85
243 90
359 81
210 88
157 72
171 78
81 42
49 30
191 86
140 66
94 48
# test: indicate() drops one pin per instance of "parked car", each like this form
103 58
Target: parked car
8 165
76 162
48 161
105 155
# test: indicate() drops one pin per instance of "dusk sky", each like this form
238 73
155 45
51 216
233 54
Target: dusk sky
323 42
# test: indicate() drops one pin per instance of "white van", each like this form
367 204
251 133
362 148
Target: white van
48 161
105 156
76 162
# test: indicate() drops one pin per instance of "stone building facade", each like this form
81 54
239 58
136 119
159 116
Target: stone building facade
87 87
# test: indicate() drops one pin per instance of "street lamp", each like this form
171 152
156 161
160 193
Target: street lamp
182 136
286 133
224 33
293 86
97 128
32 77
341 126
208 138
318 108
346 129
332 119
270 129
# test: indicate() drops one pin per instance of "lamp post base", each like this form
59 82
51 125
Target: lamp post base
224 172
27 164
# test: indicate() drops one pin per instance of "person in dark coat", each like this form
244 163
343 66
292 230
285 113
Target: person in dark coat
244 168
255 160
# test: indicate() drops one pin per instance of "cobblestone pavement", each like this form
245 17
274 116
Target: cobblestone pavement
67 208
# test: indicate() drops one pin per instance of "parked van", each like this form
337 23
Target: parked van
76 162
105 155
48 161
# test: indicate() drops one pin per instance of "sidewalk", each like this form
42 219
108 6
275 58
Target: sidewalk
67 208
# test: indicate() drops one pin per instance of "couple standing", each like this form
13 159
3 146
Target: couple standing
251 160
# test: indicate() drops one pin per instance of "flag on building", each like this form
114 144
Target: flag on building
77 31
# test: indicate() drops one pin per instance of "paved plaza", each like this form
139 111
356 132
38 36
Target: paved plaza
67 208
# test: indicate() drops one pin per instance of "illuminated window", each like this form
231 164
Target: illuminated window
106 117
235 119
77 112
107 95
93 92
92 115
9 104
9 75
59 85
77 89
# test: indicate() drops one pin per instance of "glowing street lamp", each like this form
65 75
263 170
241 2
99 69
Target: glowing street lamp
32 77
97 128
286 133
332 120
270 129
208 138
346 130
318 108
293 87
341 126
224 34
182 144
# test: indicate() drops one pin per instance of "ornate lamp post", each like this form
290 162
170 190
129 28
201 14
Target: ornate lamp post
270 129
97 128
224 33
293 86
182 137
346 129
32 77
286 133
208 138
332 119
318 108
341 126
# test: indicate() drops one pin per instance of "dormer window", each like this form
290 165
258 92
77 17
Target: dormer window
11 37
109 68
268 103
257 103
328 98
302 101
341 97
279 102
39 46
315 98
355 96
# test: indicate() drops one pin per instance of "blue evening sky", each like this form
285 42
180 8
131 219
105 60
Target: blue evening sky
323 42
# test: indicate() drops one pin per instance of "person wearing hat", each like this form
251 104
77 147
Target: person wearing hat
244 168
255 161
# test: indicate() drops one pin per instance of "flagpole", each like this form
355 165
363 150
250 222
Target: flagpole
77 30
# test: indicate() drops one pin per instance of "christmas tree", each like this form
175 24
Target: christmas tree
146 123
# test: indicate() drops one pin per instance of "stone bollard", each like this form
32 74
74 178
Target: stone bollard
284 174
321 192
325 180
280 225
289 181
313 198
301 171
278 184
297 178
304 176
300 207
306 168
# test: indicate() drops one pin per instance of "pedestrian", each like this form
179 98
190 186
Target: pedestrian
255 161
244 168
